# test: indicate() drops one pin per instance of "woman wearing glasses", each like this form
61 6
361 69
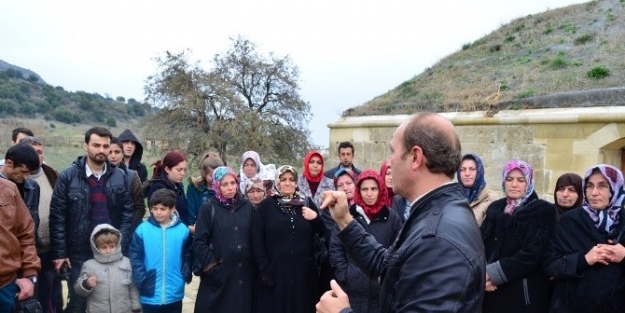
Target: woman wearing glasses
586 253
516 232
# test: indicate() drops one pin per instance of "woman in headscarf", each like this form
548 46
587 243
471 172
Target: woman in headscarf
471 176
516 231
568 194
345 180
250 167
312 183
223 249
385 173
283 227
586 253
199 188
370 210
255 191
169 173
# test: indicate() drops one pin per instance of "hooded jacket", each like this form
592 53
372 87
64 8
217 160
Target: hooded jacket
166 252
135 160
115 290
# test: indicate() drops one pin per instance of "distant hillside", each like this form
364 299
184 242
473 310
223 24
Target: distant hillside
24 94
567 50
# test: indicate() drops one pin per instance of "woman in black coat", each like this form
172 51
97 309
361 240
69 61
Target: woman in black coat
169 173
282 240
371 211
516 231
223 250
586 253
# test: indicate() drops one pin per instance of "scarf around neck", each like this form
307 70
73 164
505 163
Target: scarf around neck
296 199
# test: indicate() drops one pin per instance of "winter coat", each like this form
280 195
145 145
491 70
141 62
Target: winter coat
70 210
364 294
197 194
115 290
400 205
222 238
514 245
580 287
282 246
31 199
181 201
133 183
480 205
17 241
324 185
436 264
165 251
135 160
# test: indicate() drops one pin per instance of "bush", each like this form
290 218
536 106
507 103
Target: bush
110 121
525 94
598 72
584 39
559 62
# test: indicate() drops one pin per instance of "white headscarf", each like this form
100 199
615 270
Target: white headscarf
260 168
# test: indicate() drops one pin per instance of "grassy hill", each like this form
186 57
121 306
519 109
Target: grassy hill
579 47
24 94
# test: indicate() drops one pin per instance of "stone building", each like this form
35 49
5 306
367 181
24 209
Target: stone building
553 140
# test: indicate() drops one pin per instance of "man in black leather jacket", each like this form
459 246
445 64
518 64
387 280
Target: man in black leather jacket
91 192
437 262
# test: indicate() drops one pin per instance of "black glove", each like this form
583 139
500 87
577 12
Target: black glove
149 284
186 273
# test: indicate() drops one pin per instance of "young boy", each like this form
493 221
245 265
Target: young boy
160 254
106 280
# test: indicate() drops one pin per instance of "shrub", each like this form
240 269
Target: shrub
525 94
110 121
494 48
509 38
559 62
598 72
584 39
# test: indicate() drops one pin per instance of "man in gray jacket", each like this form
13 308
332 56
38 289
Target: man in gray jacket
437 262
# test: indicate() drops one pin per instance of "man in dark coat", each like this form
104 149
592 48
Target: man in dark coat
346 156
90 192
437 261
133 153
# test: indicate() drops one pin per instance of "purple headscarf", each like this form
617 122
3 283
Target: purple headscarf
219 174
603 221
528 172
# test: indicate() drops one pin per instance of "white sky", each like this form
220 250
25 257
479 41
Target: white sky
348 52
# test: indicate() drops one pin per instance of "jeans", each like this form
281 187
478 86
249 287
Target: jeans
174 307
7 297
49 289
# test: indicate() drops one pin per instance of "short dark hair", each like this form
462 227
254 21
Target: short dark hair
100 131
443 153
163 196
115 141
23 154
345 144
22 130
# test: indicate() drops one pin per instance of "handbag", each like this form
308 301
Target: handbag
30 305
320 249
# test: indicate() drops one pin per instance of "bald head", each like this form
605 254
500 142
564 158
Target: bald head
437 138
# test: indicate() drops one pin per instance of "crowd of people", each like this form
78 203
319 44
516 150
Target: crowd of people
423 233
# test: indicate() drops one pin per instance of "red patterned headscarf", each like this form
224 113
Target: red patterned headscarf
373 210
307 174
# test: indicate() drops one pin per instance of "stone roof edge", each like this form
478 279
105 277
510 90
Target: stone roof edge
598 114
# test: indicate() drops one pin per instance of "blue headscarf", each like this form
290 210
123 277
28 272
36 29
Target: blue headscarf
479 184
219 174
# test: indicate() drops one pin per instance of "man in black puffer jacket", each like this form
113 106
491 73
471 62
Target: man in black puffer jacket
437 262
91 192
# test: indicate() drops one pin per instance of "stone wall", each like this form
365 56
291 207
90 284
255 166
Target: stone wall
553 141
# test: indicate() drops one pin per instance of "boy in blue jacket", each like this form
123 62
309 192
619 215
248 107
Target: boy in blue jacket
160 254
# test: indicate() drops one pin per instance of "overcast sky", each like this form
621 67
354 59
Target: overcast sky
347 51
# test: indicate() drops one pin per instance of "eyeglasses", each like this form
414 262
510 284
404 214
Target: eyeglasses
601 186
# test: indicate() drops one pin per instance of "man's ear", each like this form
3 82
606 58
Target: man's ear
417 158
85 146
9 163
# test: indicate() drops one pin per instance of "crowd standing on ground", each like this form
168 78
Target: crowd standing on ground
404 238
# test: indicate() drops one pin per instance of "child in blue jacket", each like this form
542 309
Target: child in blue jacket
160 254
